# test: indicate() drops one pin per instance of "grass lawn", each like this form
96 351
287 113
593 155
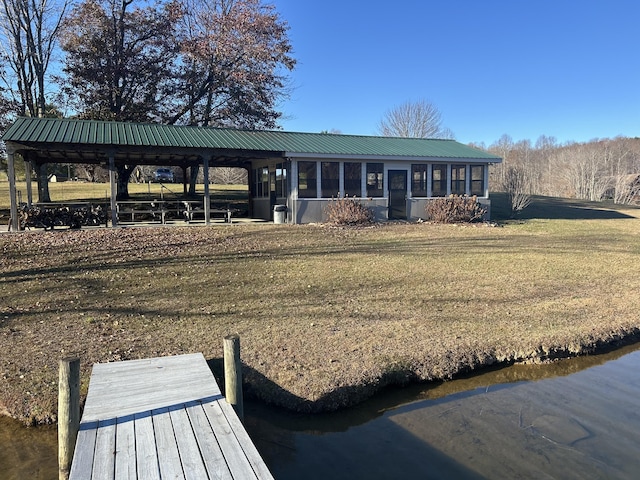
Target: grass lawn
327 316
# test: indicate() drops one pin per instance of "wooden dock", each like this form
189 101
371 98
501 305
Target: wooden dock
161 418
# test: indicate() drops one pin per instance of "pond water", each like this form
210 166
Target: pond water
576 418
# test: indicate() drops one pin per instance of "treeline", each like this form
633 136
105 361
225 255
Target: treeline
601 169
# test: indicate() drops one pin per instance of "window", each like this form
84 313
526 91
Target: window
375 174
352 179
418 180
307 180
458 176
262 182
330 179
281 180
439 181
477 180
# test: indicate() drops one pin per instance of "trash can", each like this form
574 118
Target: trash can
279 214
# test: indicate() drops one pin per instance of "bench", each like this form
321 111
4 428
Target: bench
153 208
225 213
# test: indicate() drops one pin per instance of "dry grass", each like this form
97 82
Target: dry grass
326 315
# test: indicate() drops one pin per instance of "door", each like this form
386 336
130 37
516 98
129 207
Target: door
397 194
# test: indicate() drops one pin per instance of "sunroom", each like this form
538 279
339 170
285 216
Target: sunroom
394 187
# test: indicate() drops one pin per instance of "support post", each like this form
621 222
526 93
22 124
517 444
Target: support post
13 200
68 413
207 194
114 190
233 374
27 173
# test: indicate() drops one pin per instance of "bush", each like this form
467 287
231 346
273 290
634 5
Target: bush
348 211
455 209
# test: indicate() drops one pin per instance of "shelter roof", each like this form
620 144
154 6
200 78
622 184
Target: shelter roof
150 142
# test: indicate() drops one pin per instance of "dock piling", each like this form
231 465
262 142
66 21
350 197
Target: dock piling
233 374
68 413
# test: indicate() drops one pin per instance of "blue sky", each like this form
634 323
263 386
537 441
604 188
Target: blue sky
564 68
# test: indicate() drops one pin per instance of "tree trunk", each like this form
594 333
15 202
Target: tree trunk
124 173
193 178
43 182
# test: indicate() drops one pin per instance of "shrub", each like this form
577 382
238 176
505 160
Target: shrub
455 209
347 211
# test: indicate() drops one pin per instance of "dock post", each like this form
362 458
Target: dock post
68 413
233 374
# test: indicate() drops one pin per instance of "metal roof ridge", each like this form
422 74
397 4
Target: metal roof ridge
230 129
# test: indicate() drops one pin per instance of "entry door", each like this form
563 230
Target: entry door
397 194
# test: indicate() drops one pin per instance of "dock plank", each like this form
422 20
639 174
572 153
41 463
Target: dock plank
192 461
82 464
231 448
125 449
250 450
161 418
103 464
147 465
170 466
207 443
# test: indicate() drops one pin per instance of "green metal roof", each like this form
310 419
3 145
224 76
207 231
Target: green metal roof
38 131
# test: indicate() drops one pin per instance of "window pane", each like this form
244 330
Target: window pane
458 179
477 180
330 179
375 185
256 182
261 181
265 181
281 179
439 181
307 185
418 180
352 179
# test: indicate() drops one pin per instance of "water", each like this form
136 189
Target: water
511 423
27 453
573 419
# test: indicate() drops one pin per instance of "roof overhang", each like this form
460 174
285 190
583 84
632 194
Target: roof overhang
393 158
134 155
46 140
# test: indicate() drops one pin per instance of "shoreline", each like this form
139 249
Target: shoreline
336 400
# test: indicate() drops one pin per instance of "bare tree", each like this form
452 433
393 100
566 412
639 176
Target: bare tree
503 147
584 169
420 119
544 148
626 189
595 170
517 186
229 175
29 32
